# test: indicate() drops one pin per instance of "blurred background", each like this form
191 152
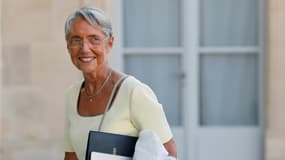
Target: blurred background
217 66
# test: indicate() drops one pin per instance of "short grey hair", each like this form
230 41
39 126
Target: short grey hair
92 15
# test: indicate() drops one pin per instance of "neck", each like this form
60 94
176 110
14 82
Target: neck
93 81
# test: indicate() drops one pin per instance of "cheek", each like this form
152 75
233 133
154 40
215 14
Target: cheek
72 55
72 52
101 57
100 52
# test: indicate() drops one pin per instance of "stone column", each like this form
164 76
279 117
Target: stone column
275 133
1 88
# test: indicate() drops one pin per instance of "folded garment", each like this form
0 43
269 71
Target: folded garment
149 147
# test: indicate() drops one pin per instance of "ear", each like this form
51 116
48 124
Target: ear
68 49
110 43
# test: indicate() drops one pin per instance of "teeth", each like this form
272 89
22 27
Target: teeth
86 59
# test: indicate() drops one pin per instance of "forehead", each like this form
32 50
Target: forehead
81 27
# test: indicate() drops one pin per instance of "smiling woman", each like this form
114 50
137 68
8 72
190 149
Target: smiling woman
106 100
88 45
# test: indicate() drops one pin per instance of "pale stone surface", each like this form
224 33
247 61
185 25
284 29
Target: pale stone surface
59 13
28 5
24 108
275 131
52 71
104 5
1 71
34 151
37 70
275 148
16 61
34 112
24 24
42 154
276 67
24 122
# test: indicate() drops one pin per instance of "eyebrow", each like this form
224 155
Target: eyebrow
74 36
92 35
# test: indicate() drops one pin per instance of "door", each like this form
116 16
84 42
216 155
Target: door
150 44
204 60
225 53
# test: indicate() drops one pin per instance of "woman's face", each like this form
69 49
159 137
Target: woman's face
88 46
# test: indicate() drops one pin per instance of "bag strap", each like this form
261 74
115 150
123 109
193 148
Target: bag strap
116 87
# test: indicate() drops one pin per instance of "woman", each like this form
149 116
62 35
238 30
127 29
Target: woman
105 100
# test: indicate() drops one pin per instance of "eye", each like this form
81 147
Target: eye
75 41
94 39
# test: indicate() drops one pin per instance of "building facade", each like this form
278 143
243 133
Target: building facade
35 70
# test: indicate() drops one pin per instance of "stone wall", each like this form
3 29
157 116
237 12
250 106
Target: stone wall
35 71
275 131
1 100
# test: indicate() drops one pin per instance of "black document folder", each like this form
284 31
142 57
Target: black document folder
110 143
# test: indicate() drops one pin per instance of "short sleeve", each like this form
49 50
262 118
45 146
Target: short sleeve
67 142
147 113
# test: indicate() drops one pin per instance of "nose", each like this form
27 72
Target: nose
85 47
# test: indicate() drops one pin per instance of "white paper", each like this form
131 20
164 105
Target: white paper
104 156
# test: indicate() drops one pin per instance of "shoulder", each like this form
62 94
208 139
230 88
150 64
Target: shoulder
138 88
132 82
71 96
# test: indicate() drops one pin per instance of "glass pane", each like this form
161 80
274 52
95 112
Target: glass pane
228 22
152 23
162 74
228 85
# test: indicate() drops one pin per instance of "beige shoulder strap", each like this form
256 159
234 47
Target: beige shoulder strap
110 100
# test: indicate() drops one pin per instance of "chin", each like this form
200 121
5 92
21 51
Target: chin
86 70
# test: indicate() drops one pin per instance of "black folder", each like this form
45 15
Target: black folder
110 143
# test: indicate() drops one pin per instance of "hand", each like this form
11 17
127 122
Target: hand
170 147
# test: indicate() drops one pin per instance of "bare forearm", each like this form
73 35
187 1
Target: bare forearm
70 156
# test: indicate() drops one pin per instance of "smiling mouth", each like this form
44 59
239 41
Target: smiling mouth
86 59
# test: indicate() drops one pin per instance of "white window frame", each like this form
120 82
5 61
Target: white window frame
190 26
